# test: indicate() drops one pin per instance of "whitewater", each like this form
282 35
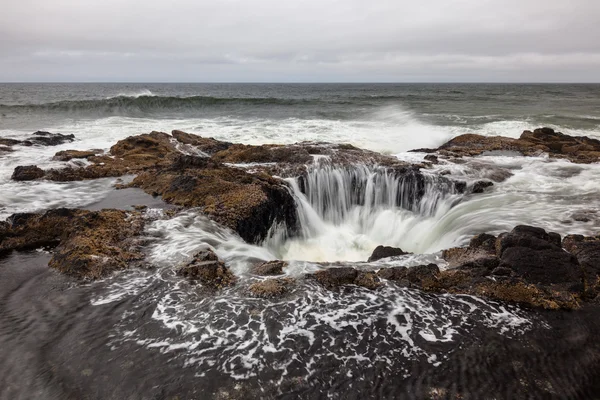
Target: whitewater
314 343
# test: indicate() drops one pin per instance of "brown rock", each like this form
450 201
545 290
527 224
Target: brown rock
270 268
247 203
209 146
575 148
271 288
208 270
333 278
66 155
97 243
27 173
385 252
480 186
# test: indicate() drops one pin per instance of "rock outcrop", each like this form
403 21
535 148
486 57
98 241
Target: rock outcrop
89 244
578 149
271 288
247 203
27 173
207 269
67 155
385 252
525 266
274 267
333 278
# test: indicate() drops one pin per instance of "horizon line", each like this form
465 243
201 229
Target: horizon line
315 82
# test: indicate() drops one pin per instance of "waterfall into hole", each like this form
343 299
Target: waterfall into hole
345 212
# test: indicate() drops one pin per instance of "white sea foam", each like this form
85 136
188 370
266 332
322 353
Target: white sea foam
244 337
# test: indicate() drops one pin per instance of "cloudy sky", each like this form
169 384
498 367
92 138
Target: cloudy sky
298 41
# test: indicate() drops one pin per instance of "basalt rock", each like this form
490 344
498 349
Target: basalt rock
526 265
587 251
410 277
209 146
578 149
67 155
271 288
27 173
127 156
87 244
292 160
48 139
384 252
480 186
26 231
98 243
247 203
207 269
269 268
333 278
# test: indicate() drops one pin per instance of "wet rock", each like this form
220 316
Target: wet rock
9 142
88 244
367 280
27 173
543 140
584 215
269 268
526 265
207 269
66 155
587 251
397 274
333 278
271 288
209 146
536 256
292 160
481 248
384 252
247 203
480 186
127 156
48 139
97 243
431 158
26 231
544 266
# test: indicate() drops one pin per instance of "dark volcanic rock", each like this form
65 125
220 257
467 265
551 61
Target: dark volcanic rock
208 270
269 268
587 251
25 231
480 186
27 173
90 244
209 146
384 252
528 265
48 139
97 243
247 203
543 140
271 288
66 155
9 142
333 278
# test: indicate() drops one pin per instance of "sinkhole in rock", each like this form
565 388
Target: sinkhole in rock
345 212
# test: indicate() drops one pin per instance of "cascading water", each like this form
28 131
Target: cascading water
345 212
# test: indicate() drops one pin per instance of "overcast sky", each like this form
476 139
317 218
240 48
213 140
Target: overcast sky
298 41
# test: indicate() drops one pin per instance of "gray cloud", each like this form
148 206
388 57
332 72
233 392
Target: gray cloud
309 40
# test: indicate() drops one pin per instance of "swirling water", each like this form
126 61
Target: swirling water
148 334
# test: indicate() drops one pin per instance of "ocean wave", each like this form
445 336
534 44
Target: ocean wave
145 102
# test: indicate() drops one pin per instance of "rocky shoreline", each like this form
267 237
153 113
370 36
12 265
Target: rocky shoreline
242 187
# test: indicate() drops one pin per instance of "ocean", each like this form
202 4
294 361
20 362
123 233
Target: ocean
146 333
